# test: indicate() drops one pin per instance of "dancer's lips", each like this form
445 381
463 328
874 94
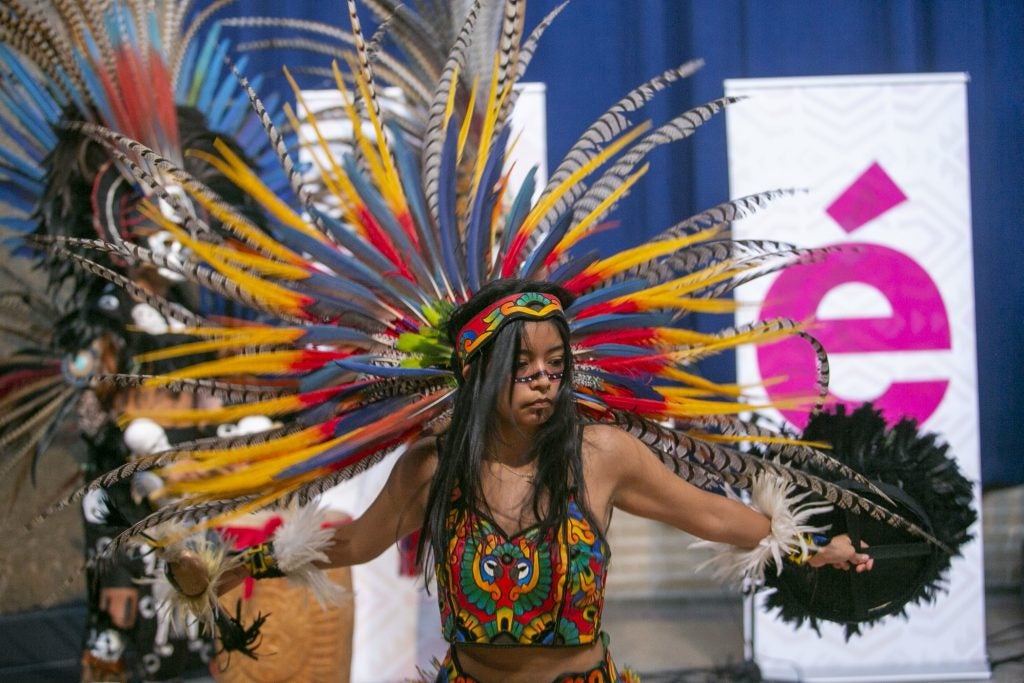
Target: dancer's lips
541 403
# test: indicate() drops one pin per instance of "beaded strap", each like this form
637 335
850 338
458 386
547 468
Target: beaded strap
260 562
812 542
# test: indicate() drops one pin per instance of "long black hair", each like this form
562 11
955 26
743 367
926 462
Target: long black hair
464 445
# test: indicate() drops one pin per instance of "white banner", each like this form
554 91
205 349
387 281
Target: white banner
884 160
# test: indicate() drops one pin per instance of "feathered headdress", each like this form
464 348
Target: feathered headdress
75 75
347 353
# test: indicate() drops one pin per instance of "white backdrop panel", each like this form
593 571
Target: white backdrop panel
885 164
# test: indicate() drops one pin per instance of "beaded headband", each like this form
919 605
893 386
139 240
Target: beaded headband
523 305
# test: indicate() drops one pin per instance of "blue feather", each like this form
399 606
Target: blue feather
330 300
573 266
41 98
238 108
153 30
202 66
362 250
411 183
389 370
337 261
639 388
548 243
326 334
187 73
385 218
618 350
342 285
478 227
323 377
20 195
607 293
210 79
366 415
20 199
24 225
222 98
325 254
447 222
618 321
520 208
76 96
36 125
27 172
95 87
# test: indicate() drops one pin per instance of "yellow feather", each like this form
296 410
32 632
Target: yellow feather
335 181
729 342
266 500
271 362
390 184
280 298
467 120
240 174
260 264
643 253
677 336
254 476
337 172
232 413
487 132
651 302
222 457
220 339
583 227
542 207
449 106
370 154
701 382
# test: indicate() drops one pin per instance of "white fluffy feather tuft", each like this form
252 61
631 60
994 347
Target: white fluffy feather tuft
781 502
299 543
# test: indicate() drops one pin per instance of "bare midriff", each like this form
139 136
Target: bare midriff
526 663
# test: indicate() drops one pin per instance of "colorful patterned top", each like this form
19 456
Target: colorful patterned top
533 587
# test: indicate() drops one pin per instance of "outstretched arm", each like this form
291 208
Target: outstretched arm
637 482
397 511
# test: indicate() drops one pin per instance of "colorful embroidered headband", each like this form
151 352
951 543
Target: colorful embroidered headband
528 305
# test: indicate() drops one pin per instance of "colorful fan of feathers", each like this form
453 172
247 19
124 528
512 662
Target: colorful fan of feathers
150 71
135 68
351 292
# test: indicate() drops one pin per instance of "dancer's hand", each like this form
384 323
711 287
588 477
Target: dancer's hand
840 554
188 575
121 604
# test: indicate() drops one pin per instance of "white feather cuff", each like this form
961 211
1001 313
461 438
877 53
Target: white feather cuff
780 501
299 543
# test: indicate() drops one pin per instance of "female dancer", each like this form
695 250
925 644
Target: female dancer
514 498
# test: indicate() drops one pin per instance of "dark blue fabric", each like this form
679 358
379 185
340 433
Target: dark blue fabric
598 49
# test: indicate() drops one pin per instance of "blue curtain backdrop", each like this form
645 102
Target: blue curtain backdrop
598 49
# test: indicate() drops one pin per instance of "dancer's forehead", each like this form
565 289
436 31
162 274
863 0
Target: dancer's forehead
541 337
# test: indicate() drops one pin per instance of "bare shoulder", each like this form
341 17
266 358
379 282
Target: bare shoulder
417 465
423 451
605 440
606 449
